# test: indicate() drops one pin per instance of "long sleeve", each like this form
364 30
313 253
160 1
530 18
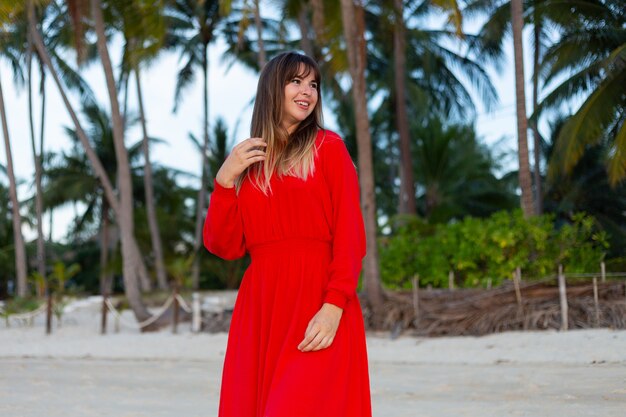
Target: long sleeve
348 231
223 228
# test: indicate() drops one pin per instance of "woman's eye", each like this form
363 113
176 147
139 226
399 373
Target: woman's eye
314 85
295 81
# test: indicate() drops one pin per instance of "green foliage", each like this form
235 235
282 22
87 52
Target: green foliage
481 249
20 305
180 269
57 282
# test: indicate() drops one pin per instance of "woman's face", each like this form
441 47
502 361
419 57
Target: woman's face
299 100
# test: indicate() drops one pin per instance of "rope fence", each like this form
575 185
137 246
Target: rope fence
107 306
457 304
150 320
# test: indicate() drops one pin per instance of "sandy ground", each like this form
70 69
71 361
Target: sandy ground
78 372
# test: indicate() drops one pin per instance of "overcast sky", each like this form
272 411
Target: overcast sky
230 94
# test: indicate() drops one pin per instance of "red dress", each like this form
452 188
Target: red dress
306 241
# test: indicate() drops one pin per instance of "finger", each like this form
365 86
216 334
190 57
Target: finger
254 142
255 152
314 343
248 143
251 161
326 342
309 335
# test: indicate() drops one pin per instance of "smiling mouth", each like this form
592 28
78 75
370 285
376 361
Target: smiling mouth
302 104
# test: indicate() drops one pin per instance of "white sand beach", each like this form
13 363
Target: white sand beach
77 372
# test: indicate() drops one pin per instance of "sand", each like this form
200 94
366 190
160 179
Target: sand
77 372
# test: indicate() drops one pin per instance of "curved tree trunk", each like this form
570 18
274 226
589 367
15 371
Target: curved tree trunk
522 122
155 234
354 28
18 238
131 257
131 284
407 204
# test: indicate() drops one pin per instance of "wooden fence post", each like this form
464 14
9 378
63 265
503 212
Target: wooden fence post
196 318
517 277
103 324
563 298
416 300
451 280
596 303
175 307
48 311
603 271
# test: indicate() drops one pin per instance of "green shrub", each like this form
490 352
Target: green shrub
478 250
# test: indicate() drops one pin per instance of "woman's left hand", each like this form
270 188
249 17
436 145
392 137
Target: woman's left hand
322 328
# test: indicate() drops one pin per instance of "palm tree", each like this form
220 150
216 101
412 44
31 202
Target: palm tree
20 251
522 121
17 35
71 179
7 242
590 55
489 45
423 79
192 27
131 255
586 188
144 32
354 29
455 173
10 49
407 183
122 207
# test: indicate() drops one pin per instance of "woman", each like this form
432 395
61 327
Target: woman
289 196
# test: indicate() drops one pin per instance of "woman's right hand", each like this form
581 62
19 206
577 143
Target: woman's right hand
241 157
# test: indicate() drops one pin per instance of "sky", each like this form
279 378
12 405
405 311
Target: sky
230 94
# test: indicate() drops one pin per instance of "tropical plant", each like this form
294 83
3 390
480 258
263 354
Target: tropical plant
142 26
352 15
456 173
122 206
20 249
192 27
586 188
525 183
590 55
486 251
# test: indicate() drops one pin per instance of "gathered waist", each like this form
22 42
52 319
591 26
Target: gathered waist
283 247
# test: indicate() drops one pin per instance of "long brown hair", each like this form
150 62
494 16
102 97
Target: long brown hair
286 154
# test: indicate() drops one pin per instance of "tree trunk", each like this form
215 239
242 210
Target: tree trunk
305 41
533 125
522 122
318 21
407 204
354 28
259 32
130 256
18 238
202 193
37 158
105 287
132 289
155 234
